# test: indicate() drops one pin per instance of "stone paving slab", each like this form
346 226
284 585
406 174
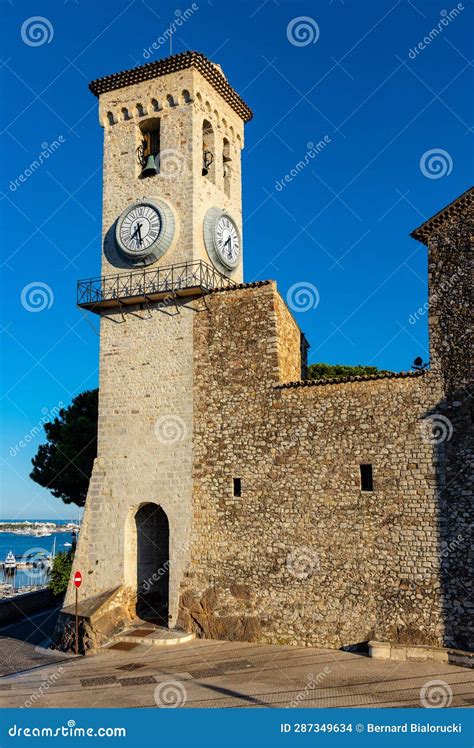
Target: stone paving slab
235 674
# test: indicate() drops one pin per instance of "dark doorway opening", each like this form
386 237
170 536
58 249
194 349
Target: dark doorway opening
152 564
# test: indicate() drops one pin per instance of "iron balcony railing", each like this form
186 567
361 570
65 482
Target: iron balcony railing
149 285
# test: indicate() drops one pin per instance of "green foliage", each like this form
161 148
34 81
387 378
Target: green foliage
64 463
336 371
61 572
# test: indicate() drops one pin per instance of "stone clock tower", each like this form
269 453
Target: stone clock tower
172 230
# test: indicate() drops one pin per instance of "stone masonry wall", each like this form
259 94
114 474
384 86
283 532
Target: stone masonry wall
144 446
303 555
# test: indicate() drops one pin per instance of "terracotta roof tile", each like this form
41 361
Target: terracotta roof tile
172 64
345 380
457 207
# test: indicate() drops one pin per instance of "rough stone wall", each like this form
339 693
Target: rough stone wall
180 182
144 446
451 348
305 556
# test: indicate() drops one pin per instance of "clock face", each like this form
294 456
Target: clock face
139 229
145 231
227 241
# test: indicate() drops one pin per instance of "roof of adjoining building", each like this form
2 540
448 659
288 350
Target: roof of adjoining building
358 378
211 72
457 207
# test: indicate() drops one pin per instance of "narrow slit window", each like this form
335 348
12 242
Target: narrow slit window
237 487
366 478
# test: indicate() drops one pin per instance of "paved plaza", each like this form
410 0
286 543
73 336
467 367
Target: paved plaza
204 673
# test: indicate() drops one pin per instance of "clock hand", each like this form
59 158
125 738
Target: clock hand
138 231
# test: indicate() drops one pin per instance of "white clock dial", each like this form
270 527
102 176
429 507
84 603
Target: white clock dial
140 228
145 231
227 241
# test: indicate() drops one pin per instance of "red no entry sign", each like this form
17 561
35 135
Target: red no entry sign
77 579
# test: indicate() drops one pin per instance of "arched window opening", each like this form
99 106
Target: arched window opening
125 113
226 166
155 105
187 97
148 152
110 118
140 110
208 163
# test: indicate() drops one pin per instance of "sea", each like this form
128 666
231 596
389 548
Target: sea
23 545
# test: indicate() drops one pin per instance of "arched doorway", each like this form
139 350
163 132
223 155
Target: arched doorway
152 564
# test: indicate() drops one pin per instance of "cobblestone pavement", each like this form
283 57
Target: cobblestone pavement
22 644
229 674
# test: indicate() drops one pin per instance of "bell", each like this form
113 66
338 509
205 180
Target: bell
150 167
207 159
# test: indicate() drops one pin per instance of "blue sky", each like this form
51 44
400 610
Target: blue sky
342 224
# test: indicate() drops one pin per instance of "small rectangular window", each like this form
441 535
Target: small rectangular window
237 487
366 478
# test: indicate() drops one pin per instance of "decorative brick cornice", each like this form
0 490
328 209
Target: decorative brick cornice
458 207
345 380
173 64
241 286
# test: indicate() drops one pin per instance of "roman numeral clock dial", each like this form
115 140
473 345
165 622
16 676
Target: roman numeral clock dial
145 231
222 239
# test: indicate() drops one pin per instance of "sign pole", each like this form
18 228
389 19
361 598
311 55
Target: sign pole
77 584
77 621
